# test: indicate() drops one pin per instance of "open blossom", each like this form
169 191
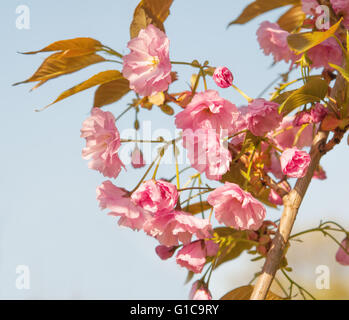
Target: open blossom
285 134
102 143
236 208
148 66
207 110
314 115
137 160
342 257
273 40
156 196
207 152
294 162
223 77
165 252
262 116
193 255
341 8
119 203
170 228
324 53
199 291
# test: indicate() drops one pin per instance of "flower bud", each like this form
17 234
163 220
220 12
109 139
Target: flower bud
199 291
137 160
342 257
223 77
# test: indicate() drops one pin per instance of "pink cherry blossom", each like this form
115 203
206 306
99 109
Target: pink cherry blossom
207 152
148 66
262 116
326 52
273 40
236 208
119 203
156 196
275 198
207 110
285 134
170 228
294 162
165 252
223 77
199 291
137 160
314 115
341 8
102 143
193 255
342 257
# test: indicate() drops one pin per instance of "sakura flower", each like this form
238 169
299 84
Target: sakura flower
170 228
223 77
199 291
341 8
295 163
273 40
165 252
315 115
148 66
119 203
262 116
342 257
207 110
236 208
207 153
137 160
193 255
102 143
156 196
326 52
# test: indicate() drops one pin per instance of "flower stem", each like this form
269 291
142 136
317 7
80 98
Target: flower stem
242 93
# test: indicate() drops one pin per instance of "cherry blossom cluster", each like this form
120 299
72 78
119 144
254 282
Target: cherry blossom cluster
214 135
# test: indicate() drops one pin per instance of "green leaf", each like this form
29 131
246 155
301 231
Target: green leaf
196 208
110 92
99 78
233 244
58 64
313 91
150 12
87 44
342 71
301 42
292 19
258 7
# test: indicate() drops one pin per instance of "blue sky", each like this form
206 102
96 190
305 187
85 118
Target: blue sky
49 217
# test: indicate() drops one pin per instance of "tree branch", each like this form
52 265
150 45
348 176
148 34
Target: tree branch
292 202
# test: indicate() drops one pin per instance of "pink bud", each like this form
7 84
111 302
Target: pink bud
165 252
342 257
199 291
137 160
275 198
223 77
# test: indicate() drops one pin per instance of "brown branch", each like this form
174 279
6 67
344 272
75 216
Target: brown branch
292 202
